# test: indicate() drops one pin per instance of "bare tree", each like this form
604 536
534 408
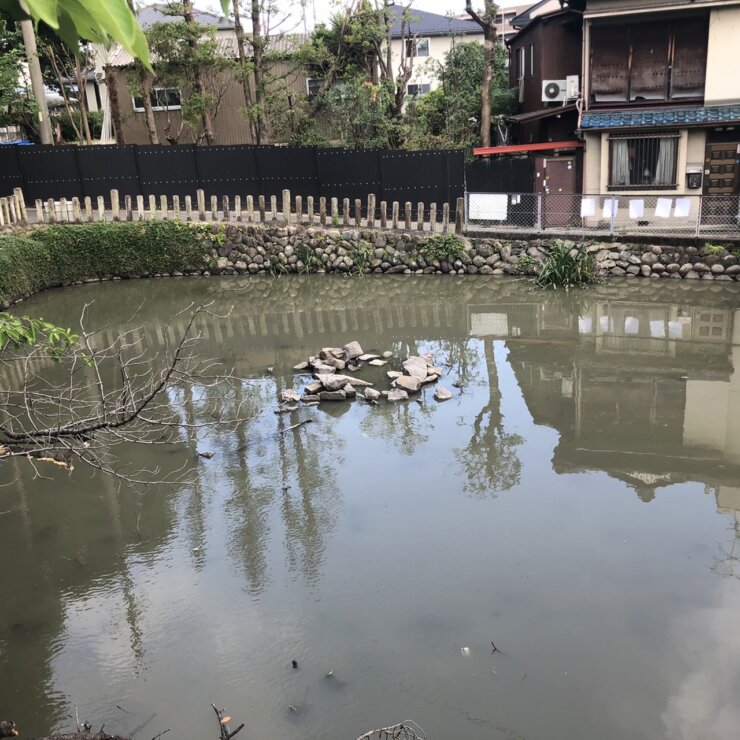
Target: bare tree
111 82
187 14
487 21
102 397
245 68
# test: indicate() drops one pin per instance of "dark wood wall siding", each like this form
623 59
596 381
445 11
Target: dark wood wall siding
649 61
557 54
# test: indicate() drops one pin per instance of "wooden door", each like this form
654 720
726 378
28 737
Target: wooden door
721 183
555 178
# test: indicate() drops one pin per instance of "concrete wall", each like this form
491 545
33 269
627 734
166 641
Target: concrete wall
722 85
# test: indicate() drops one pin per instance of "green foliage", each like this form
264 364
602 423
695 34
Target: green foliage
449 116
309 258
94 119
442 247
17 332
566 267
714 248
17 105
525 263
59 254
361 255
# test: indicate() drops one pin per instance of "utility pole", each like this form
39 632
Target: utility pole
37 81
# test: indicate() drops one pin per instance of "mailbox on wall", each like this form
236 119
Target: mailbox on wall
693 177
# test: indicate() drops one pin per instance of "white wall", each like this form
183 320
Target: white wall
722 85
426 69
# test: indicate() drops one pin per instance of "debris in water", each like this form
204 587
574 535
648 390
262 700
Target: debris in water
208 454
294 663
465 651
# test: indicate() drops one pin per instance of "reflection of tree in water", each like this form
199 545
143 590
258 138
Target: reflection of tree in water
490 459
298 466
400 425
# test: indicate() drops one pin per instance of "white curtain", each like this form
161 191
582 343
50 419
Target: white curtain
620 174
666 165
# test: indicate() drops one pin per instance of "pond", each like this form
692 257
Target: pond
577 503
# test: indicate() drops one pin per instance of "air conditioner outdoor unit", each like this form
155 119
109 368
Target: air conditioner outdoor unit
572 87
553 91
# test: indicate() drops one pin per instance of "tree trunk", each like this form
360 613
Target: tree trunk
206 119
111 83
258 51
145 82
239 30
82 101
62 89
488 23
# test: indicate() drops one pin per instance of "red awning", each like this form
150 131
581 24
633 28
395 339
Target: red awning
521 148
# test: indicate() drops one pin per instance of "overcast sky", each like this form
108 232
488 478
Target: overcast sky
323 9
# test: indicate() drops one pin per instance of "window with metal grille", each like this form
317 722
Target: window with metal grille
163 98
415 90
643 162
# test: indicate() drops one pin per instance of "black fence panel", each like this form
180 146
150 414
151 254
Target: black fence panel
500 175
417 177
288 167
227 170
455 177
350 173
10 171
49 172
102 168
167 170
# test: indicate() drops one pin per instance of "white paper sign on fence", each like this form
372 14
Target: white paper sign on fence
488 206
682 208
631 325
663 207
637 208
588 207
611 206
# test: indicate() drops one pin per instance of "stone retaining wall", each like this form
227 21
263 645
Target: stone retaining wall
264 250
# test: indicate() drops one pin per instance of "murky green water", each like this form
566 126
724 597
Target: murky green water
577 503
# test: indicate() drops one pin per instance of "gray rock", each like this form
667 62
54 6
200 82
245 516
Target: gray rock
313 388
691 275
408 383
732 270
321 368
442 394
332 353
717 269
393 374
290 395
371 394
352 350
646 270
387 355
350 391
416 366
367 357
301 366
378 363
335 382
396 395
310 398
333 396
648 258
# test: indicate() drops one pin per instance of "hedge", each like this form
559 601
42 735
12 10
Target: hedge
58 255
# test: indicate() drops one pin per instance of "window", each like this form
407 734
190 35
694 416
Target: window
163 98
643 162
313 86
417 47
646 62
420 89
521 63
531 60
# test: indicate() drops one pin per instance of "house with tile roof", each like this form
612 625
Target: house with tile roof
428 38
660 99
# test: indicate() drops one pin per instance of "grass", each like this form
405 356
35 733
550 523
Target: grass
566 267
442 247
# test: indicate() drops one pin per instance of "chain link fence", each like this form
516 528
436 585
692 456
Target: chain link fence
705 216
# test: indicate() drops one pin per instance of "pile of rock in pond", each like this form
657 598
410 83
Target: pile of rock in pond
331 383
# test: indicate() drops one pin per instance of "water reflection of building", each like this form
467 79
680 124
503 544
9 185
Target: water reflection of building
641 390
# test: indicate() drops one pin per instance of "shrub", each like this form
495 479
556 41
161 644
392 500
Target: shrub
62 253
566 267
714 248
442 247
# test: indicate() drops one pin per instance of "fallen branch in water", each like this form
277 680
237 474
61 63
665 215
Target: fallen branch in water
223 726
406 730
295 426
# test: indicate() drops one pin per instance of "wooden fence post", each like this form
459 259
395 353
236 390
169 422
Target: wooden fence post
407 216
101 208
261 207
214 208
39 212
64 210
383 214
250 209
420 217
152 207
4 215
371 211
201 200
21 201
309 206
76 211
163 208
286 207
188 208
358 213
322 211
225 207
460 215
128 207
345 212
139 207
176 207
394 216
299 209
445 218
88 209
432 217
115 205
334 211
273 208
52 208
238 207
